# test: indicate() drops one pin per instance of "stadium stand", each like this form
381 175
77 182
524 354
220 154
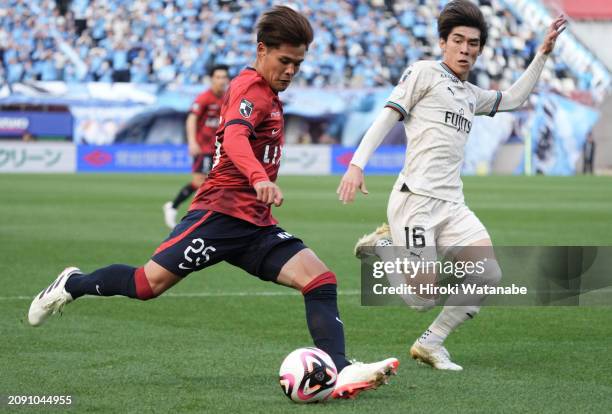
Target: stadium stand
357 44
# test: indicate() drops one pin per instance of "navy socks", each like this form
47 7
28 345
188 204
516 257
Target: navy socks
112 280
183 195
324 322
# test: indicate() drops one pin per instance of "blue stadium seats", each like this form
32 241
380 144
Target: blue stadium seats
357 43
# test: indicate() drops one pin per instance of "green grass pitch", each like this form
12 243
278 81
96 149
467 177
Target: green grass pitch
214 342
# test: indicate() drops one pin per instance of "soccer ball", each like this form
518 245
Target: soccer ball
308 375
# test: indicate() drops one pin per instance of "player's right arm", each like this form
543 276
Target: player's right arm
412 87
354 177
239 126
269 193
238 148
191 126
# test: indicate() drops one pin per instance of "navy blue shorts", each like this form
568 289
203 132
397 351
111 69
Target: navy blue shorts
202 163
204 238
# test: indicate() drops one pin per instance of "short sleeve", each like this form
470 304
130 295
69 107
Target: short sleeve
411 88
487 101
247 106
199 105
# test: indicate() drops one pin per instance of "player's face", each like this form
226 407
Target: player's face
279 65
461 49
219 82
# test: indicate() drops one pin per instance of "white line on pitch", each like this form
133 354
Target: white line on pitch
206 294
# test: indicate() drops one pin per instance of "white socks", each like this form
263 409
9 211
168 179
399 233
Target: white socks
447 321
430 338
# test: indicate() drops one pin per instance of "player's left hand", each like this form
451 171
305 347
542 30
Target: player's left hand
554 30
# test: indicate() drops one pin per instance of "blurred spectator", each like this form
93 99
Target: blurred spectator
357 43
588 153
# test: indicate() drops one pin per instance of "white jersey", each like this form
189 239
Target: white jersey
437 110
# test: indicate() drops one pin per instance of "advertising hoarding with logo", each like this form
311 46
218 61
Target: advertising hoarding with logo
134 158
37 157
50 124
305 160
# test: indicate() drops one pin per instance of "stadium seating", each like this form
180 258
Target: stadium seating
357 43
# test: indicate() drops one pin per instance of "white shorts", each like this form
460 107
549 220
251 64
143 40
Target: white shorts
418 221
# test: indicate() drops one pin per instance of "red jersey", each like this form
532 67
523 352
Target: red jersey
248 150
207 108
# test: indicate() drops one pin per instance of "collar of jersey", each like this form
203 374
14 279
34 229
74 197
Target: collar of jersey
450 71
254 70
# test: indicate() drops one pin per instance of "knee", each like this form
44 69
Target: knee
145 290
422 308
303 271
156 290
492 273
150 284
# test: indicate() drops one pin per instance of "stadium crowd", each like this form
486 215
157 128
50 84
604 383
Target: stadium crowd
357 43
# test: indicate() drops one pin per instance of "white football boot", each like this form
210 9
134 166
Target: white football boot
52 299
436 356
379 237
359 377
169 215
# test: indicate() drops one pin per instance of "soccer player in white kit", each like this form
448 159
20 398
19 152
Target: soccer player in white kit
426 207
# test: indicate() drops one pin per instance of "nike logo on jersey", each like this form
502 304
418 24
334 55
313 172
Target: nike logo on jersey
275 131
98 290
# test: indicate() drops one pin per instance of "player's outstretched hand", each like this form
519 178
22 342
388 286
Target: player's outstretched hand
554 30
352 180
269 193
194 149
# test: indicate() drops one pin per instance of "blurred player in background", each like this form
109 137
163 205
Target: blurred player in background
230 217
426 206
201 126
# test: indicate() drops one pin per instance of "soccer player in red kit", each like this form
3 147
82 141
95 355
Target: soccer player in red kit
201 127
230 217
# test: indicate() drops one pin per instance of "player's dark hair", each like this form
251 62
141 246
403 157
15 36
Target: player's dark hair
462 13
215 68
282 24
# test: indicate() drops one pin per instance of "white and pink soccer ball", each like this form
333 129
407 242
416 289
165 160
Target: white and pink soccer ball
308 375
